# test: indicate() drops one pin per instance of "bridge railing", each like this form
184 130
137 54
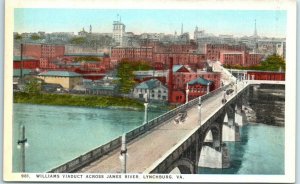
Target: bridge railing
88 157
99 152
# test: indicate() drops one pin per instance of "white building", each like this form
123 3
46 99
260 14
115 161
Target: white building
118 32
154 89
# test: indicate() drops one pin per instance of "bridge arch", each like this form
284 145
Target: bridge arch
213 134
184 165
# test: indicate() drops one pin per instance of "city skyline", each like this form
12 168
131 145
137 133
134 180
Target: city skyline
271 23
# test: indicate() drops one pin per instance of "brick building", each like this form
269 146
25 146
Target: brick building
132 53
198 87
28 62
213 51
43 50
179 76
158 54
45 53
241 58
266 75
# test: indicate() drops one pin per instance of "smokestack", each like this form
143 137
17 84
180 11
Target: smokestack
170 83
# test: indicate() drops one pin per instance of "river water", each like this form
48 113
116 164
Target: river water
57 134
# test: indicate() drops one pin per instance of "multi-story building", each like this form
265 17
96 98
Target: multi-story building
132 53
241 58
180 76
198 87
118 32
213 51
151 89
28 62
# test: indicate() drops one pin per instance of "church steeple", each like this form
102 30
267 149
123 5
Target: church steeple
255 30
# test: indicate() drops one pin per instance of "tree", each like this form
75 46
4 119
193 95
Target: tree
125 73
273 63
33 86
18 37
35 37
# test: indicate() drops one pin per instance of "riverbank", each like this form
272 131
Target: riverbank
90 101
78 100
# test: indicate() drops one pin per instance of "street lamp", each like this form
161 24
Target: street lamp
146 108
187 93
199 109
22 143
207 91
123 153
224 97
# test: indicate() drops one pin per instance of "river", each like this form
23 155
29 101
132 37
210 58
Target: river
57 134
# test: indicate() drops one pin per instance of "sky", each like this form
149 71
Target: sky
271 23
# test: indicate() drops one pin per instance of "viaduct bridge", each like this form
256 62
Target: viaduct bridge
162 146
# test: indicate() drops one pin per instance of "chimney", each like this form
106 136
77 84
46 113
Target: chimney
170 82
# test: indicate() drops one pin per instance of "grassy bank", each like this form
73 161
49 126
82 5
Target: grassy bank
76 100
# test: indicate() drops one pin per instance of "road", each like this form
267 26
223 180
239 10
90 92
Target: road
148 148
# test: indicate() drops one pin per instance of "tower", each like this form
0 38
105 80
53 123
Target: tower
118 32
255 36
90 29
255 30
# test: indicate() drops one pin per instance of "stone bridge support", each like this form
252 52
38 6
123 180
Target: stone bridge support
213 158
231 130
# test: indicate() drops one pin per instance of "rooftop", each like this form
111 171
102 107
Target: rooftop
201 81
149 84
85 54
24 58
60 74
17 72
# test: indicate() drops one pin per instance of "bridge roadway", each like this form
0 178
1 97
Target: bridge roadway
151 146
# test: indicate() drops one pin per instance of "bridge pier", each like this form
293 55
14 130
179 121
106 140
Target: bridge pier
212 158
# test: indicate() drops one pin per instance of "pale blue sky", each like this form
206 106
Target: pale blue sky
236 22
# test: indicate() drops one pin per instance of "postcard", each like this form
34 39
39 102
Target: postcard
150 91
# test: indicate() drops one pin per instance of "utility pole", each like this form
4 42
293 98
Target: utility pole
21 142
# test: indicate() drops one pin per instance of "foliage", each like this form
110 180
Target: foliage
35 37
18 36
271 63
75 100
86 58
125 73
78 40
33 86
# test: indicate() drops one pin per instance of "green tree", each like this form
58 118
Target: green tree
125 73
18 37
86 58
78 40
35 37
273 63
33 86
